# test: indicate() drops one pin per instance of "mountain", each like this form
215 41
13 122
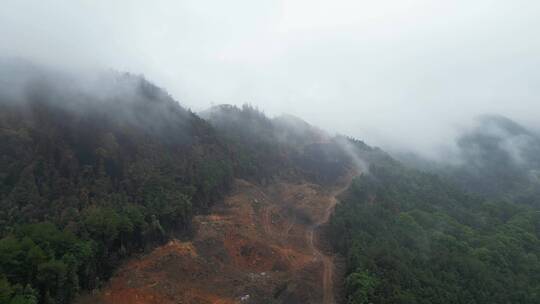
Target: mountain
499 157
96 168
93 171
410 236
283 146
112 192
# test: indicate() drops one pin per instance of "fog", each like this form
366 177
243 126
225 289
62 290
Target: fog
406 74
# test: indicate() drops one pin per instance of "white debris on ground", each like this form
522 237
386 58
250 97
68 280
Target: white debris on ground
244 298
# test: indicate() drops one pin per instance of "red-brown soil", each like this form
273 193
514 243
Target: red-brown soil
257 246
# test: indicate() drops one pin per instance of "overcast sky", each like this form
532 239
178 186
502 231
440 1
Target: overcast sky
394 73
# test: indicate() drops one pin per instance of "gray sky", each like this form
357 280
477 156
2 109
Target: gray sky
394 73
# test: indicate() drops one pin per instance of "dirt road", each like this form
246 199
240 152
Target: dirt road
327 260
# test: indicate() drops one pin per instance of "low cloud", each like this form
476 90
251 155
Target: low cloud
405 75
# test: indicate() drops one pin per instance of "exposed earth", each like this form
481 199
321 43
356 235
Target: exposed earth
260 245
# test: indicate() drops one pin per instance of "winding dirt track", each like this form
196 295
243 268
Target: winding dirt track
318 255
327 260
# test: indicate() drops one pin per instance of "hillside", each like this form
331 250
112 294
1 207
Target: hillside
258 246
96 169
496 157
112 192
92 172
500 159
413 237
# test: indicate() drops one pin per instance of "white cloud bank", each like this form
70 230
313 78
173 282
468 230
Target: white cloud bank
394 73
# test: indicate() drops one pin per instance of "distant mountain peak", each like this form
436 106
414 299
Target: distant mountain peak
498 123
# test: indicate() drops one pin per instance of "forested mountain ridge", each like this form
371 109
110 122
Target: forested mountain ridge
96 169
93 169
416 237
283 146
496 157
500 158
91 174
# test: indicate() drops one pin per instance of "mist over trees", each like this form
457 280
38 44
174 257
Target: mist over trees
88 179
460 231
413 237
97 168
94 169
497 158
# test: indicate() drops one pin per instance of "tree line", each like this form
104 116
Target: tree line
412 237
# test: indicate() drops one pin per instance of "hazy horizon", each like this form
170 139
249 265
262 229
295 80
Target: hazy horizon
407 74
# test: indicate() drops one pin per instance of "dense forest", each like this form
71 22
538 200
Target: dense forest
87 179
285 146
94 170
414 237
